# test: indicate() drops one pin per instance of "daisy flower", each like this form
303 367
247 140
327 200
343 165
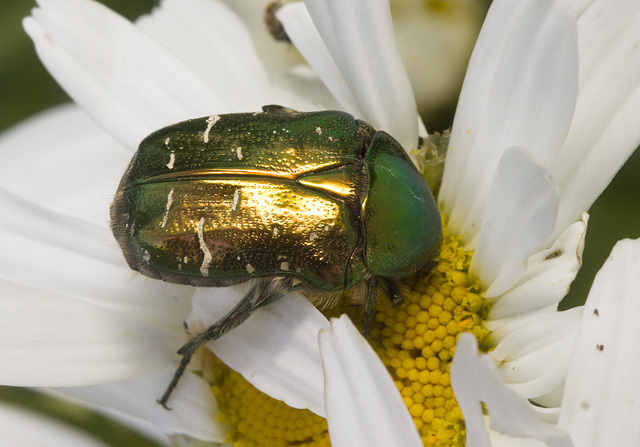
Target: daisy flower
526 157
600 396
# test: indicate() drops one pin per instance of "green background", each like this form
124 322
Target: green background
26 87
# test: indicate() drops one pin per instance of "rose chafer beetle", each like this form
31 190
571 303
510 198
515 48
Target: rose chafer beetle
314 201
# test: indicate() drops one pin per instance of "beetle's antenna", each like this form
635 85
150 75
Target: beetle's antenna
265 291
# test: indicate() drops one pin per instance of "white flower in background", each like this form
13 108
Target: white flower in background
435 39
527 156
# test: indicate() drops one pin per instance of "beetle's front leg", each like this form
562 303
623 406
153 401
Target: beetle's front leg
371 293
265 291
393 291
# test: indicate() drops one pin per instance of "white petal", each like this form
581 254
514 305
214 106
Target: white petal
602 396
548 405
604 131
22 428
359 37
70 257
533 353
50 339
293 82
520 90
547 278
79 163
475 380
122 77
501 440
276 349
212 40
363 404
519 216
26 219
193 408
301 30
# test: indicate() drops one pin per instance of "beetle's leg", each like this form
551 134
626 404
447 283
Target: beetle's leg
370 303
262 293
393 291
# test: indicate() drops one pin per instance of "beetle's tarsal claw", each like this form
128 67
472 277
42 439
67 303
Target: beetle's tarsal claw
187 352
165 406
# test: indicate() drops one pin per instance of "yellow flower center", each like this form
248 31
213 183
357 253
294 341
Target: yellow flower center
416 342
257 419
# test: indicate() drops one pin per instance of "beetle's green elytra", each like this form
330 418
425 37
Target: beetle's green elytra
315 201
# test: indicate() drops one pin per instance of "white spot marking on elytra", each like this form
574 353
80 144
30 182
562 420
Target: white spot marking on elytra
211 121
331 139
318 130
236 200
204 268
185 259
239 153
172 160
326 228
146 257
167 141
275 231
169 202
284 266
312 236
250 268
